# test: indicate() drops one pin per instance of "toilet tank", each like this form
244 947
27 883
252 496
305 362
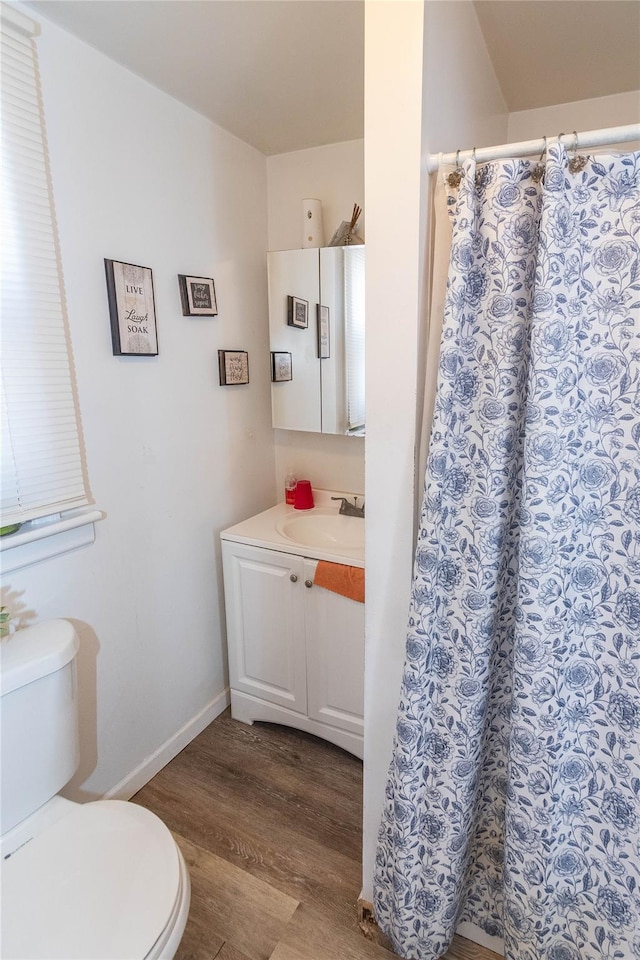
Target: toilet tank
38 717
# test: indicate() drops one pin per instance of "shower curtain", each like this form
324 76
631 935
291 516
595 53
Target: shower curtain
513 798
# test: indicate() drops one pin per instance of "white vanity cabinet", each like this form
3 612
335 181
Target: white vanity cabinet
296 650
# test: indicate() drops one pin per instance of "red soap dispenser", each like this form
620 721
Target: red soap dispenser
290 488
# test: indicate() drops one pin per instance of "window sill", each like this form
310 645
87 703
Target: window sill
41 540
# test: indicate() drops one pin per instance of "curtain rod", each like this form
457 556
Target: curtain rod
593 138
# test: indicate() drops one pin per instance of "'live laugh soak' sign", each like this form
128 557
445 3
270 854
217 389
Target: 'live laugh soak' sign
132 309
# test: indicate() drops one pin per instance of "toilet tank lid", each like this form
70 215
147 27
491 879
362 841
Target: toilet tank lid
35 652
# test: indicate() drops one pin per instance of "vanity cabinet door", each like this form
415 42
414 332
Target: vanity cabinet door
265 597
335 656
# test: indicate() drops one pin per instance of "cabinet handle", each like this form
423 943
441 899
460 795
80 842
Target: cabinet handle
293 578
308 583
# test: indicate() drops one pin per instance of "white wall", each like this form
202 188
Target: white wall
449 98
335 175
393 76
330 461
463 104
582 115
172 457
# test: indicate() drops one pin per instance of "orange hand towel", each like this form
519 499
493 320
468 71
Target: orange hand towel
341 578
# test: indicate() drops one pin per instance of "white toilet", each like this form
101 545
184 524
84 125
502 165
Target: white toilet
94 881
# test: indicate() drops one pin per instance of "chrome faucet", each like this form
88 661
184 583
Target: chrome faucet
348 509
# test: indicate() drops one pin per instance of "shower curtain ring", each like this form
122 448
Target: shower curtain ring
478 174
455 177
538 171
577 163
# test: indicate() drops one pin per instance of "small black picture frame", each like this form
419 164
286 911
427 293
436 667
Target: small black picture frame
324 340
233 367
198 296
132 309
297 312
281 366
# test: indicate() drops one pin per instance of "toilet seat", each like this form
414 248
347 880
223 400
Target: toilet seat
105 882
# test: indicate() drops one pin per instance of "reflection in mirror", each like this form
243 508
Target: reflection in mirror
354 338
326 390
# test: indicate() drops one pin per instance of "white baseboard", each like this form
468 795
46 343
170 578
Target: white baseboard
153 764
476 935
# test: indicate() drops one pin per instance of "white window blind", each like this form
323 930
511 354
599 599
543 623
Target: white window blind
354 335
42 466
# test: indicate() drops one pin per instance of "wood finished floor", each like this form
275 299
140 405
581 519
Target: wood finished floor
269 820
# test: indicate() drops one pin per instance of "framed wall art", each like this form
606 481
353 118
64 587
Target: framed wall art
297 312
324 345
233 366
198 296
281 369
131 309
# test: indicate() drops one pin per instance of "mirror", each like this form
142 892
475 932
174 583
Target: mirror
316 331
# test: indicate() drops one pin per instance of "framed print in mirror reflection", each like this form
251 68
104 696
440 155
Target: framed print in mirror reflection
324 345
297 312
281 368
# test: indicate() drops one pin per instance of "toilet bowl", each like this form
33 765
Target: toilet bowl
103 880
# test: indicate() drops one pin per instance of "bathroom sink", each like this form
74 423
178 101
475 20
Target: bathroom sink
324 530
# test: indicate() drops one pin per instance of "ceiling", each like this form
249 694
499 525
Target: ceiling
280 74
288 74
556 51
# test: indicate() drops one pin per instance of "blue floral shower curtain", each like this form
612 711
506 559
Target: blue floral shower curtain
513 799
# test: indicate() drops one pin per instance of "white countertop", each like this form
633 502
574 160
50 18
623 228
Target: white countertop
261 531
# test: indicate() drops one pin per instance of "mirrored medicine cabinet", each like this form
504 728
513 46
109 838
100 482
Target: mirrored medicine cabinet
316 331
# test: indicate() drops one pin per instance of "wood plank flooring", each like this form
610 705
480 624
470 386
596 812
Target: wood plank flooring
269 820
